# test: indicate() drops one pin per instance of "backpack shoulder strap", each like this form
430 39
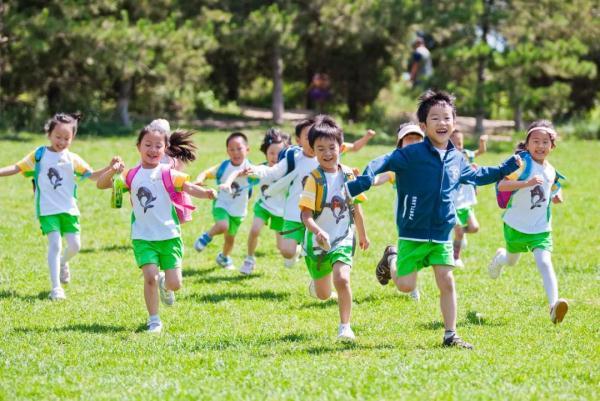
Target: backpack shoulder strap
39 153
221 170
290 157
526 157
168 180
131 174
320 189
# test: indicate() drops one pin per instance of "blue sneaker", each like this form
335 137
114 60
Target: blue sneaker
225 262
202 242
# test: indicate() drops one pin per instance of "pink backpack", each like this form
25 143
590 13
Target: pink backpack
181 200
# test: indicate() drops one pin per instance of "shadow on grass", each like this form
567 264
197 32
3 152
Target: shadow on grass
197 272
94 328
344 346
109 248
239 296
472 318
41 296
318 304
15 138
228 279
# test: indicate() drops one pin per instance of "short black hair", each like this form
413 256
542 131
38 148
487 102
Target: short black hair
325 127
236 135
431 98
303 124
274 136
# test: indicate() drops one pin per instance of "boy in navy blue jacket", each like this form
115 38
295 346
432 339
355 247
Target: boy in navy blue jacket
427 177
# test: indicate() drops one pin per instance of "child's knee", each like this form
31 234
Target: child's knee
323 293
221 226
288 250
150 280
472 229
446 284
405 287
174 284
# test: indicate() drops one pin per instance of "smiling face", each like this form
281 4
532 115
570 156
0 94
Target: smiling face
303 142
237 149
273 153
61 137
539 145
152 148
327 151
439 125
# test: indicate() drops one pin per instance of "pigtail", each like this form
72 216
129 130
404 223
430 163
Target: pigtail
181 146
63 118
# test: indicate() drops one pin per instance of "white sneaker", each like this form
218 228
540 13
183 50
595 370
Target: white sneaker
248 265
345 333
65 274
458 263
559 310
57 294
166 296
154 326
495 266
225 262
415 294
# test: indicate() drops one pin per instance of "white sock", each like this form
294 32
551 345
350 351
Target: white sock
543 259
73 247
154 318
344 325
54 245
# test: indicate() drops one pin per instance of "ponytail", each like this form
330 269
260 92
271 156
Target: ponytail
63 118
181 146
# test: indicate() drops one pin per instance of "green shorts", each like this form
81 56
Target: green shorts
322 265
294 230
167 254
276 222
62 222
462 215
415 255
233 222
517 242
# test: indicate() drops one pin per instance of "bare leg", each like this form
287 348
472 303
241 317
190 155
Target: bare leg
151 288
341 281
228 244
173 279
257 225
445 282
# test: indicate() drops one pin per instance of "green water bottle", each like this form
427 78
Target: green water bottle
116 199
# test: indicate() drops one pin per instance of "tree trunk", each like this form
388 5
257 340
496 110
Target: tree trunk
518 116
482 61
3 40
277 104
123 102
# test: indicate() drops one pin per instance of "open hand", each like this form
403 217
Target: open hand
364 243
225 187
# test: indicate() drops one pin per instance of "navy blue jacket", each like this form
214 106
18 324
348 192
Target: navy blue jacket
426 185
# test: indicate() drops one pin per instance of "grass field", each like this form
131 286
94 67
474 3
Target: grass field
261 337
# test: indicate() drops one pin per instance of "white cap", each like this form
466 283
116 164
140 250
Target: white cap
410 129
161 124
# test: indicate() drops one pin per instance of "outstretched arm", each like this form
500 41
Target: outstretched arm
513 185
105 180
488 175
393 161
199 192
99 173
482 145
9 170
361 142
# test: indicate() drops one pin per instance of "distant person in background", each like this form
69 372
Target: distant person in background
319 91
420 63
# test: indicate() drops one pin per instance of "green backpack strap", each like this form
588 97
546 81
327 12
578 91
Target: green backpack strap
39 153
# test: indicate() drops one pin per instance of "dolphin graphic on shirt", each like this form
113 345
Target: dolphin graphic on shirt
537 197
145 198
54 177
236 190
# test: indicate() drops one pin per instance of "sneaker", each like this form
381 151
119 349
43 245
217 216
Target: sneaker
248 265
166 296
288 263
495 266
458 263
345 333
57 294
225 262
415 295
65 274
463 242
202 242
154 326
382 271
559 310
456 341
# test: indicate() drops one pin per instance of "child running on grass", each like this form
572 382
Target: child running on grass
268 209
408 134
155 225
527 219
229 209
329 214
53 169
427 177
466 198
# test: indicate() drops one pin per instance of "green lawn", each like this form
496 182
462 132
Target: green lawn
262 337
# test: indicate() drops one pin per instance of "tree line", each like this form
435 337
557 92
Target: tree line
115 58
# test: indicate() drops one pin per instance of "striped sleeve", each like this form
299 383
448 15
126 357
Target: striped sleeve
179 179
27 165
309 194
211 173
80 166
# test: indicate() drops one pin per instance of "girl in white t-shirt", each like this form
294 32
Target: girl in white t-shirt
53 170
155 225
267 209
527 220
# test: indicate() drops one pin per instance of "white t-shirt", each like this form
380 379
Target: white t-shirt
273 203
335 216
442 152
529 208
56 180
154 216
236 201
465 196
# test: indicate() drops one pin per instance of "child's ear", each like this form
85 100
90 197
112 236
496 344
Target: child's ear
423 126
